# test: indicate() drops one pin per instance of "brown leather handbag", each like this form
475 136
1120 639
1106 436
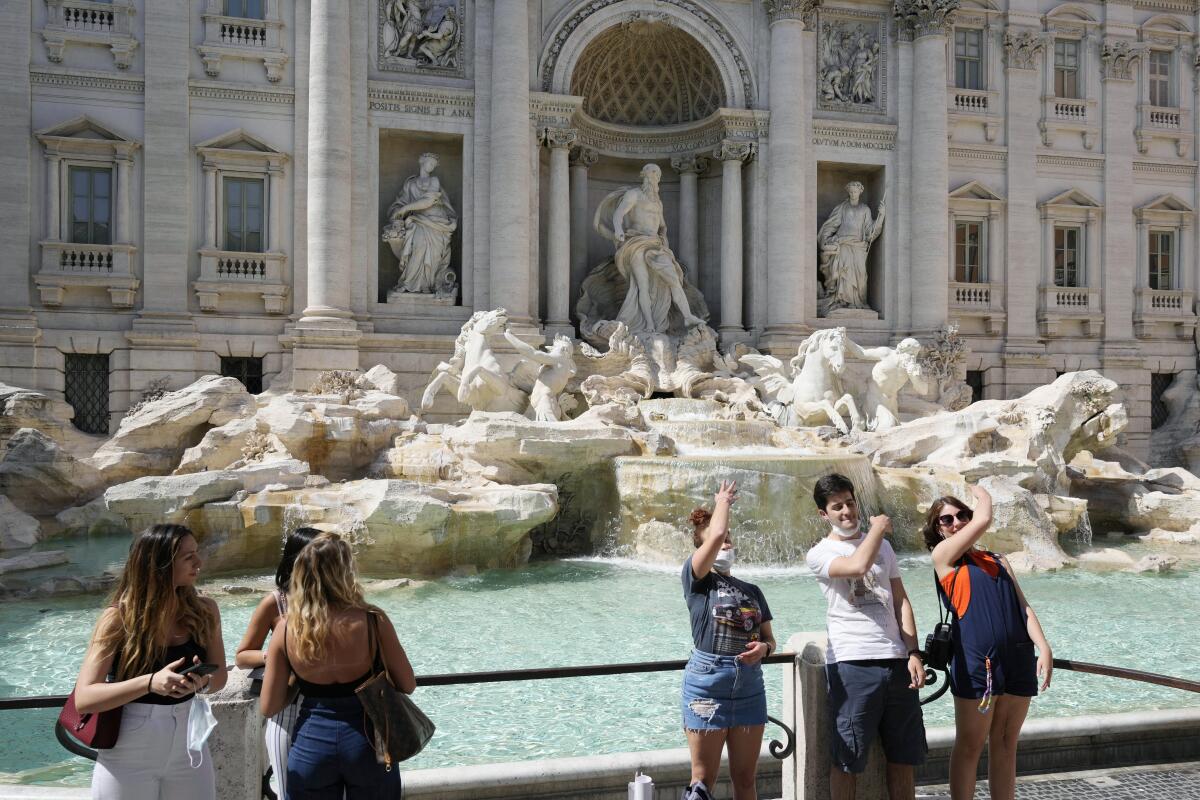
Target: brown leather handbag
398 730
97 730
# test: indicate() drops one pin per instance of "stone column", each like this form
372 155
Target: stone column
326 337
210 207
124 190
558 250
276 199
687 238
510 163
581 159
53 197
731 154
791 284
925 23
1117 60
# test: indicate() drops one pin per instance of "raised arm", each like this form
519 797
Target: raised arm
528 350
952 548
714 536
250 652
859 564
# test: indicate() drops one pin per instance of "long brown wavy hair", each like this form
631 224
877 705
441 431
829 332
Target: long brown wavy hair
929 530
147 602
324 581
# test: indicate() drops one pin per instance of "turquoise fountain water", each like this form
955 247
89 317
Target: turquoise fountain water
607 610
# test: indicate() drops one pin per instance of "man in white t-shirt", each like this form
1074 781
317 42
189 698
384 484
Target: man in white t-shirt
872 663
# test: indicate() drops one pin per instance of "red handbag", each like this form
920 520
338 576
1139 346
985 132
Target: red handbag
98 730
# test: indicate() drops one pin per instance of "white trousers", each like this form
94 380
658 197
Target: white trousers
150 761
279 738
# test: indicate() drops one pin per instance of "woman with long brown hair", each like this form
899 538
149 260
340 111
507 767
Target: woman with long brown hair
328 640
994 671
156 624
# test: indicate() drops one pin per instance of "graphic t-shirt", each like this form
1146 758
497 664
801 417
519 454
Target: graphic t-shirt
861 614
727 613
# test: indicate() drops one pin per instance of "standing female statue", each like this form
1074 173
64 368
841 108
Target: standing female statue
845 239
421 222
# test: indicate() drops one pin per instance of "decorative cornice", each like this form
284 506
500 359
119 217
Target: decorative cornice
243 94
917 18
1117 57
689 163
802 10
1070 162
1156 168
974 154
1022 47
690 7
858 137
424 101
85 80
1167 6
558 137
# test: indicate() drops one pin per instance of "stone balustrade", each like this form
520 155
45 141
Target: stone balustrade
244 39
1164 122
971 101
978 300
106 266
1070 110
225 272
1062 303
90 23
240 32
86 17
1173 309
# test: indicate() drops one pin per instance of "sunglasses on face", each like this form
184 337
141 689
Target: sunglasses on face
961 516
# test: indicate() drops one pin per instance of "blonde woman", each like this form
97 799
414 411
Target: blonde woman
325 642
156 625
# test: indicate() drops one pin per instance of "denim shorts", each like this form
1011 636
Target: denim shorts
721 692
869 699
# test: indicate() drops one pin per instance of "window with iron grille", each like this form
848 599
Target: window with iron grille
1066 257
968 253
87 391
1159 383
246 9
1160 78
975 381
244 215
1066 69
246 369
1162 250
91 204
968 58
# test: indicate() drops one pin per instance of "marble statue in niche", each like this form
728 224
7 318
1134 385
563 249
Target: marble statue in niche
421 221
845 239
421 34
656 298
849 57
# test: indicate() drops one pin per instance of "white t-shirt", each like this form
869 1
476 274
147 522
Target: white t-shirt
861 615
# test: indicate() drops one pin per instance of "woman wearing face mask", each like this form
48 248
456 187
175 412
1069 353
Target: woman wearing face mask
724 703
155 625
251 655
993 670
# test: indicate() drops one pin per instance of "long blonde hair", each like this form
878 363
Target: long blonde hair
324 580
147 602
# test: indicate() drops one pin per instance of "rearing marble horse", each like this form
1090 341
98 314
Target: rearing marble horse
809 388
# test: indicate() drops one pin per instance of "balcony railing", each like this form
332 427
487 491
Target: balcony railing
972 101
241 38
88 18
971 295
225 272
243 33
106 266
1071 299
92 23
1069 110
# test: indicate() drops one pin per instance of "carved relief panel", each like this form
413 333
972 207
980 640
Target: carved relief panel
851 61
422 36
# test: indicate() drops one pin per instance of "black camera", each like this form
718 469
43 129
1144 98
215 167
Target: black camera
939 645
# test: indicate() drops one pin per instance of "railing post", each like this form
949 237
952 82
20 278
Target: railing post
236 744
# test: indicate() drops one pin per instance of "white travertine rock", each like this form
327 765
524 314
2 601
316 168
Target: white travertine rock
381 378
1106 557
40 477
1155 562
91 519
26 408
662 543
18 530
219 448
151 440
1019 523
337 440
153 499
28 561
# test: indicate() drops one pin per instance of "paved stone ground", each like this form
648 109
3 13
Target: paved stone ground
1168 782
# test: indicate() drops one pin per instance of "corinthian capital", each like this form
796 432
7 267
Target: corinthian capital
1117 57
803 10
559 137
1021 48
917 18
582 156
689 163
733 150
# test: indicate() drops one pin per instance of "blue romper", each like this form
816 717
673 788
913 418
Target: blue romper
992 653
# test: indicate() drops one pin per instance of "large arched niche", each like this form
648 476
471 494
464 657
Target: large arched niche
647 72
586 21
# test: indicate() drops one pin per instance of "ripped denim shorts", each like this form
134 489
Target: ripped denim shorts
721 692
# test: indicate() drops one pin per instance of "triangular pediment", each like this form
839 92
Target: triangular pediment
83 127
1167 202
237 139
1071 197
974 190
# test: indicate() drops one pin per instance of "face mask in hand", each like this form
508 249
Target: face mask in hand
724 560
200 726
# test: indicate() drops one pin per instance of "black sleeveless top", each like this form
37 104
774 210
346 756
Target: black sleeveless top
173 653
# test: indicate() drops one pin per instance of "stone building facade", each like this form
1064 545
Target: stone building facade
199 186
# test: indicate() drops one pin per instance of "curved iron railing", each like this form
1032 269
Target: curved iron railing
778 749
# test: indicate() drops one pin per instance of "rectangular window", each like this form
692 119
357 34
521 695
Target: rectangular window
968 58
1159 383
1160 78
968 253
1066 68
246 9
244 215
86 391
246 369
1162 255
91 204
1067 267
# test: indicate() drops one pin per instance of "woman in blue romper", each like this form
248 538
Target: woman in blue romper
724 702
993 669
